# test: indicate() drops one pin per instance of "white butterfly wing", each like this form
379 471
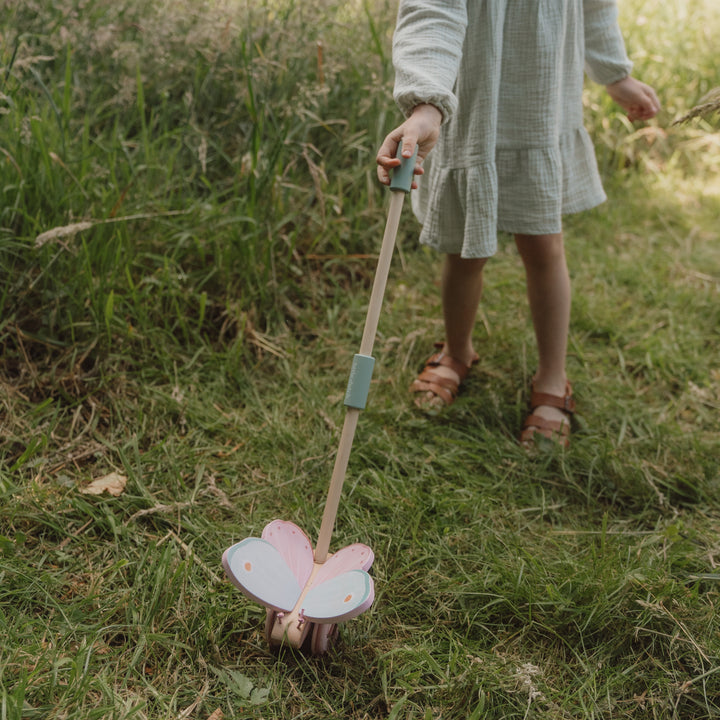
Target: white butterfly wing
340 598
259 570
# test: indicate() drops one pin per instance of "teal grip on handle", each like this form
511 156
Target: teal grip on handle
359 383
402 177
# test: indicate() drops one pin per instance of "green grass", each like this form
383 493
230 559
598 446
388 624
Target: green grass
196 338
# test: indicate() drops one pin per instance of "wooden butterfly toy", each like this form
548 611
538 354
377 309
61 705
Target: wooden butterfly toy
308 592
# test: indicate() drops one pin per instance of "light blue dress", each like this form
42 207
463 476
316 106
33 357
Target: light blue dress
508 77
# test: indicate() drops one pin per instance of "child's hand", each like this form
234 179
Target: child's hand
422 128
637 99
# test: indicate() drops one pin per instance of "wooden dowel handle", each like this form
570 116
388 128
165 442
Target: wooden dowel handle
366 345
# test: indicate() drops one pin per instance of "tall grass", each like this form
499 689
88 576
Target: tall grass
211 128
231 136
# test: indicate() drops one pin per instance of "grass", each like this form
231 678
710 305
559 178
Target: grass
194 335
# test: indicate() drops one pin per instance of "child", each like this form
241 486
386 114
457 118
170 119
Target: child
496 86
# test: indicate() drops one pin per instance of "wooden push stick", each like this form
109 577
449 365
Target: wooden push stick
366 346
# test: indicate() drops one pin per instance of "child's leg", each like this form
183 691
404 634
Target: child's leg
548 288
462 281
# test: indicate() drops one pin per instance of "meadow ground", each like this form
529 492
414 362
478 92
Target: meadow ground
188 228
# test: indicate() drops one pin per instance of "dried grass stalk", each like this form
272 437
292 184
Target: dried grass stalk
60 232
709 105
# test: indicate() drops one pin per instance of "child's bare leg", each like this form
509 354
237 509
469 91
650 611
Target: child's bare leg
548 288
462 282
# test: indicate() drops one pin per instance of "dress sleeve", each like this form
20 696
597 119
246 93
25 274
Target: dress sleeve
427 48
606 61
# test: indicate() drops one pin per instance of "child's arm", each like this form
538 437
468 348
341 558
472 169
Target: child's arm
606 61
427 47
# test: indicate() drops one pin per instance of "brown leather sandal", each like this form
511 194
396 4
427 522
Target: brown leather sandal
556 430
443 387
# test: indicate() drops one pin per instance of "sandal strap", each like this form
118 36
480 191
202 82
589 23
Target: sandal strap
447 395
444 387
563 402
541 423
448 361
556 430
427 375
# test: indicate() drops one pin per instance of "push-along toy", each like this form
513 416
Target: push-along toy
306 593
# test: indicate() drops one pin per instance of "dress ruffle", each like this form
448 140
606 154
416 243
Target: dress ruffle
515 193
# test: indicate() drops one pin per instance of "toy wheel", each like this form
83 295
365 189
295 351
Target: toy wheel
269 623
323 636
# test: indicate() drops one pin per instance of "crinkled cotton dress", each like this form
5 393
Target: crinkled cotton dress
507 75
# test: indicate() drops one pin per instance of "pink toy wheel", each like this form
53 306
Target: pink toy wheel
269 624
323 636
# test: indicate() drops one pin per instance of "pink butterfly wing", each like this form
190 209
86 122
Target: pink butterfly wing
351 557
294 546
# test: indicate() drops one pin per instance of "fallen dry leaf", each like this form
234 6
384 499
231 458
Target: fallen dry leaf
114 483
